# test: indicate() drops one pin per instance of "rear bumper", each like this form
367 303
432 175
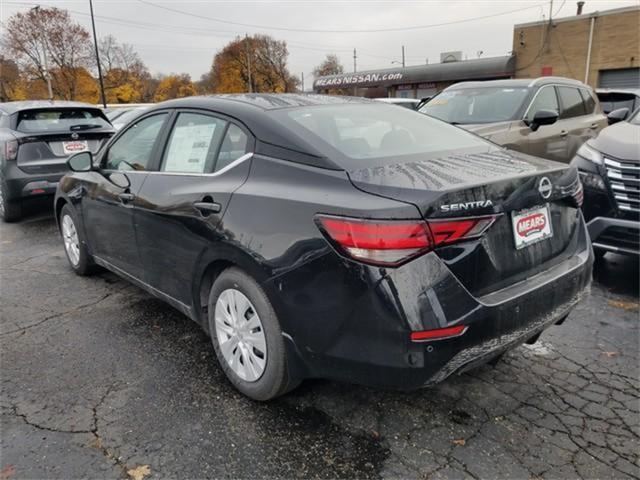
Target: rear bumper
21 184
367 341
615 235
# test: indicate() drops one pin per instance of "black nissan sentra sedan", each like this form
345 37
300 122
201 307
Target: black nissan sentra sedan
332 237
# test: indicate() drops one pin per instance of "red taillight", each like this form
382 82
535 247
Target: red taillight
380 242
456 229
10 149
438 333
393 242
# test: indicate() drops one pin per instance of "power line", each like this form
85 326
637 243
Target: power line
308 30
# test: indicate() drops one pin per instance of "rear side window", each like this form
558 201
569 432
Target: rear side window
133 149
60 120
614 101
572 104
589 102
193 144
545 99
233 147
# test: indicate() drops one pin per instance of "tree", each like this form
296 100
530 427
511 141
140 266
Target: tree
257 63
206 84
124 71
11 84
330 66
29 35
174 86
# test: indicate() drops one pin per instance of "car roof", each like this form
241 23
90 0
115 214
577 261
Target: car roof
632 91
519 82
13 107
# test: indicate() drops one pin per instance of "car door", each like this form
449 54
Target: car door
548 141
107 205
181 204
576 124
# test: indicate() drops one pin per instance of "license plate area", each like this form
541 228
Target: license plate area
531 226
75 146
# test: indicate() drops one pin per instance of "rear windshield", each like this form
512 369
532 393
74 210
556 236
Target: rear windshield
364 132
477 105
614 101
60 120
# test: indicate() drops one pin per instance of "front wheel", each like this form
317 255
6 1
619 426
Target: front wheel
10 210
247 338
74 246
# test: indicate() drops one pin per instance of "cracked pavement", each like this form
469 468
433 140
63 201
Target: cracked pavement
99 378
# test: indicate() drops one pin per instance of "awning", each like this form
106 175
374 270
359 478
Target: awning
477 69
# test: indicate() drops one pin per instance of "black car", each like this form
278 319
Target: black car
36 138
334 237
609 166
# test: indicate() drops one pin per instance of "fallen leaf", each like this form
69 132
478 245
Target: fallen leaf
460 442
629 306
610 354
139 472
375 434
7 472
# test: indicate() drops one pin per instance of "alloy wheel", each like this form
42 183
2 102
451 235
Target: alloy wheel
70 238
240 335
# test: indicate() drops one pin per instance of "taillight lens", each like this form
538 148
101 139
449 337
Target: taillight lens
438 333
393 242
578 194
10 149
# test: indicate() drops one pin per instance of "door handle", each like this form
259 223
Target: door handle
126 197
207 208
593 126
564 133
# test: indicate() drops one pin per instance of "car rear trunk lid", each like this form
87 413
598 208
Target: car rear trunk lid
497 182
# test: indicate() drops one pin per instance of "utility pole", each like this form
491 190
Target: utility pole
302 77
95 42
355 57
246 42
46 61
550 10
402 56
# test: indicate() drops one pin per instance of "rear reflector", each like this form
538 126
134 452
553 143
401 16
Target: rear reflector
438 333
393 242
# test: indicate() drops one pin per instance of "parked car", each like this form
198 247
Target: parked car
410 103
318 236
36 137
615 99
121 120
549 117
609 166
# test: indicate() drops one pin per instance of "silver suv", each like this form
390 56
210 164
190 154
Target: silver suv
550 117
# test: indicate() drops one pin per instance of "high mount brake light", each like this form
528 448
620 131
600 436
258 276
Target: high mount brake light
393 242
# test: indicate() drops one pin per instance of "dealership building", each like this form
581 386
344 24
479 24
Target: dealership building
599 48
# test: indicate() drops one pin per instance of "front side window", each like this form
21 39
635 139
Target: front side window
477 105
589 101
572 105
363 133
545 99
193 144
133 149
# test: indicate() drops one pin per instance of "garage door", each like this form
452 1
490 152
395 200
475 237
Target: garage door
620 78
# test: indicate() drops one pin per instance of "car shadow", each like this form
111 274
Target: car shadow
618 274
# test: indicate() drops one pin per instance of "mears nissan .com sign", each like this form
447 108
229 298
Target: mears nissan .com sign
357 79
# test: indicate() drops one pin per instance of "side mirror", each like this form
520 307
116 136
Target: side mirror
618 115
543 117
119 180
81 162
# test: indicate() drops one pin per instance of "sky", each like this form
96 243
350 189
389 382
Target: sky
176 36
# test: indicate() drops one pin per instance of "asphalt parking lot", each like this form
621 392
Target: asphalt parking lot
100 379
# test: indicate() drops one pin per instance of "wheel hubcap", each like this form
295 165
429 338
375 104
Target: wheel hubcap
70 237
240 335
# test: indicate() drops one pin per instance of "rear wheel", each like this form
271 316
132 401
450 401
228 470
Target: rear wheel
247 338
10 210
74 245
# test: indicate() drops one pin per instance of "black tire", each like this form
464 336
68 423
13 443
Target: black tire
275 380
84 265
10 210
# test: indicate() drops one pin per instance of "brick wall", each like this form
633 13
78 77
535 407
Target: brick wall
561 50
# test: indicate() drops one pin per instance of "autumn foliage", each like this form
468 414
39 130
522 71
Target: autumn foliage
255 63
